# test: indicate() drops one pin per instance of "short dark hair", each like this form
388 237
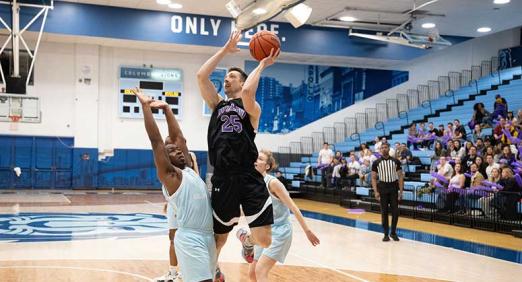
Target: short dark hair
457 120
385 144
243 74
325 143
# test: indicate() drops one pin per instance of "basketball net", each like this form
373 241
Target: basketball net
15 120
433 35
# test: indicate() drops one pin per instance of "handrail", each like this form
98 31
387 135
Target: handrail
427 104
380 125
404 113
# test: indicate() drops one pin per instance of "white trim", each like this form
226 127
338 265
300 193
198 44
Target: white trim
251 218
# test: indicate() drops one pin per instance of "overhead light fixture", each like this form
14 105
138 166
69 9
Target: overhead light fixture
163 2
233 8
298 15
484 29
175 6
347 19
500 2
428 25
259 11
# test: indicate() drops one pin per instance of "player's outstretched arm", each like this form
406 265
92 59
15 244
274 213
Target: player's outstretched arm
206 87
250 87
169 175
194 162
277 188
175 133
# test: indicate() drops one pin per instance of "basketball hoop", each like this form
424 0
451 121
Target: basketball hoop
13 125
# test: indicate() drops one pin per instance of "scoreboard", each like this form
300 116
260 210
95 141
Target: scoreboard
159 83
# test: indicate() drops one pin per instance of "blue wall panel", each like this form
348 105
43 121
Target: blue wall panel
43 153
85 168
6 148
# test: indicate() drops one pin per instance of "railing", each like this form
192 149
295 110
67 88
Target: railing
351 125
307 145
403 103
382 112
427 105
371 116
329 135
451 93
317 141
434 89
362 122
455 80
476 72
444 83
413 98
404 115
466 77
340 131
392 106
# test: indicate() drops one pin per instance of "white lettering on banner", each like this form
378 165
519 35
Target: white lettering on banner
202 30
201 26
194 25
191 25
215 26
176 24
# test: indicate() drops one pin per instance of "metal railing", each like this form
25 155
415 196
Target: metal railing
362 122
382 112
371 116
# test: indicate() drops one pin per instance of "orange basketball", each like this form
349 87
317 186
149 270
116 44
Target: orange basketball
261 44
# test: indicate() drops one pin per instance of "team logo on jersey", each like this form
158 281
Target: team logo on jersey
32 227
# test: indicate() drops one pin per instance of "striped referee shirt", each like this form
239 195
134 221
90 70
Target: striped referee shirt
387 169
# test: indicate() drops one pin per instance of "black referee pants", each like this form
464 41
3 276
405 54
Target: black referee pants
389 197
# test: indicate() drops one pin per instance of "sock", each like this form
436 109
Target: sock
248 242
173 268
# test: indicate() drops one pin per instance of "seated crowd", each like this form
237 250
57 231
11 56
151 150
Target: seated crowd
465 167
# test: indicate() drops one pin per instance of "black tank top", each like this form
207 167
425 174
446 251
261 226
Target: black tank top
231 146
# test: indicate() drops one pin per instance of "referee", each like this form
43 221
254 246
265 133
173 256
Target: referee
388 189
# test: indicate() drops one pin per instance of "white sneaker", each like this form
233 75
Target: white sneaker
169 277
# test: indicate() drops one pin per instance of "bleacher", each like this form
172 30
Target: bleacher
455 104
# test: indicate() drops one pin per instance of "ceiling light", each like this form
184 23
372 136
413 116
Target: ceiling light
484 29
163 2
233 8
428 25
175 6
259 11
500 2
347 19
298 15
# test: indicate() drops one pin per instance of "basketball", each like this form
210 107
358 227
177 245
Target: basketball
261 44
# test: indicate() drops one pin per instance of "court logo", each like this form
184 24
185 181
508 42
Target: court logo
35 227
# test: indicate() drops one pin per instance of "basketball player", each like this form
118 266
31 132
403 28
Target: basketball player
184 189
173 273
232 151
265 259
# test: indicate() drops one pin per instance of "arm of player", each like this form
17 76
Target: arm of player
277 188
175 133
206 87
248 93
194 162
401 183
169 175
374 181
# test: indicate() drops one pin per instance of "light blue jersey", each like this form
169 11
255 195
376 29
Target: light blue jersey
194 241
281 212
281 230
192 203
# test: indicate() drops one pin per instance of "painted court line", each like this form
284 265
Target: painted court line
330 268
79 268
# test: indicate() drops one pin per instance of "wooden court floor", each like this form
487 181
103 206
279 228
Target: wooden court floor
104 236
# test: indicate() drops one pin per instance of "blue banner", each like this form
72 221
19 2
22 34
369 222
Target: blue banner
156 26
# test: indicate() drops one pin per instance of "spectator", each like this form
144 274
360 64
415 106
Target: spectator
405 156
490 165
440 130
369 156
413 135
476 176
477 133
485 202
507 156
460 131
397 150
438 151
517 122
457 152
469 159
500 107
456 182
444 168
353 169
365 173
364 149
339 171
480 147
378 144
449 133
480 116
481 165
497 131
511 130
324 160
507 199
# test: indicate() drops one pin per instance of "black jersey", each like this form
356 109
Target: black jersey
231 146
